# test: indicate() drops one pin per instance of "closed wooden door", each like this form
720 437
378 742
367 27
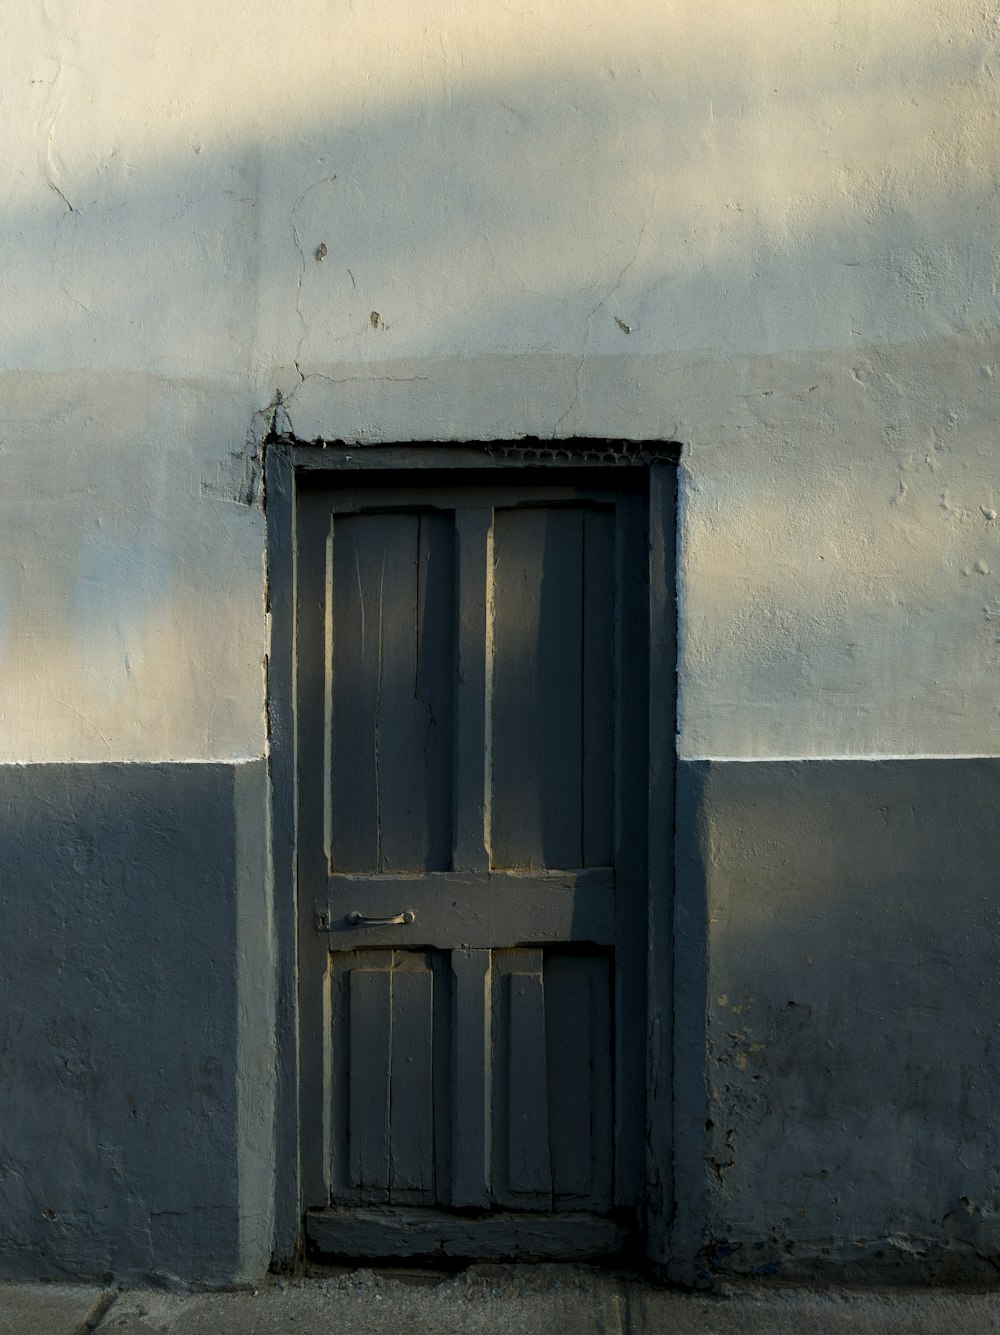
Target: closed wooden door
471 740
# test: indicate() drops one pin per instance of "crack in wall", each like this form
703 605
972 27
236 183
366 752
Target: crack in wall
599 305
53 107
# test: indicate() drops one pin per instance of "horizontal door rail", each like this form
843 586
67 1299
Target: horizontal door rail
450 910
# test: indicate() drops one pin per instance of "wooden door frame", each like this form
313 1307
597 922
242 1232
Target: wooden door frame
285 461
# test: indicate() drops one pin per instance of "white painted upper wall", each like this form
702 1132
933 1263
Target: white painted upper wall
767 230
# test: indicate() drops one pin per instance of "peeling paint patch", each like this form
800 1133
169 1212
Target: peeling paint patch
238 478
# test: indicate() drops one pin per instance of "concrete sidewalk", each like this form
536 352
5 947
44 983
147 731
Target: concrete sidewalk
483 1300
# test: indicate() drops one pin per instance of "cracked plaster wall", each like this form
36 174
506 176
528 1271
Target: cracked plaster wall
764 230
767 231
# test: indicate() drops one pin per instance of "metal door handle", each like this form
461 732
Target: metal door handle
403 919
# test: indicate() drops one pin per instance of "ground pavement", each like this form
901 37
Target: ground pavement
490 1300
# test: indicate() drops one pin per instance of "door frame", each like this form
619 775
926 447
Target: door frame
286 460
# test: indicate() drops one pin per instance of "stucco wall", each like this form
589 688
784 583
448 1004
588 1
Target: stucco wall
138 1036
766 231
850 1023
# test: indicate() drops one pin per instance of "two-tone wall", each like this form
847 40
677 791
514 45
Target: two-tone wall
766 231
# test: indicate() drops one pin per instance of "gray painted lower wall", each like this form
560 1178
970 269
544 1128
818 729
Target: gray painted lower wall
837 1067
137 1047
846 1120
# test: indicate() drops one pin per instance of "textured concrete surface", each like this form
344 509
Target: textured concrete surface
494 1300
758 229
844 1127
51 1309
137 1043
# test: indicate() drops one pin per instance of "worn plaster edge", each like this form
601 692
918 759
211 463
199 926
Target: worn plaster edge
689 1081
256 1043
223 762
874 758
889 1262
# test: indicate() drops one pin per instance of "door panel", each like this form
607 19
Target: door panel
552 1065
522 1165
472 758
552 757
401 1078
391 616
391 1056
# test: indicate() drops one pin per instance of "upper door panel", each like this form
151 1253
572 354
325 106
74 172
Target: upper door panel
391 683
393 670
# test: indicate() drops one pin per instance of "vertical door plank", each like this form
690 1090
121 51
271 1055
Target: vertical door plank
354 669
391 669
441 1058
568 1040
517 678
400 720
537 688
472 1069
602 1079
474 541
529 1168
343 1185
413 734
411 1120
435 678
578 1006
560 712
370 1047
598 689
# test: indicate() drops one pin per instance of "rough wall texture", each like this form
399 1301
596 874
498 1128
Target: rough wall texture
767 231
137 1072
851 1017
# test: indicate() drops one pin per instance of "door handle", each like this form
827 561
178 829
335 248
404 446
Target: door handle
356 919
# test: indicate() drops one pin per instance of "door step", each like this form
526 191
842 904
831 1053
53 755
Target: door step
427 1234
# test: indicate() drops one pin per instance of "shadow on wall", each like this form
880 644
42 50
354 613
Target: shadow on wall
638 235
123 1048
853 947
710 182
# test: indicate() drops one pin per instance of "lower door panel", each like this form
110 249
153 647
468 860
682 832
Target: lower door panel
400 1090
